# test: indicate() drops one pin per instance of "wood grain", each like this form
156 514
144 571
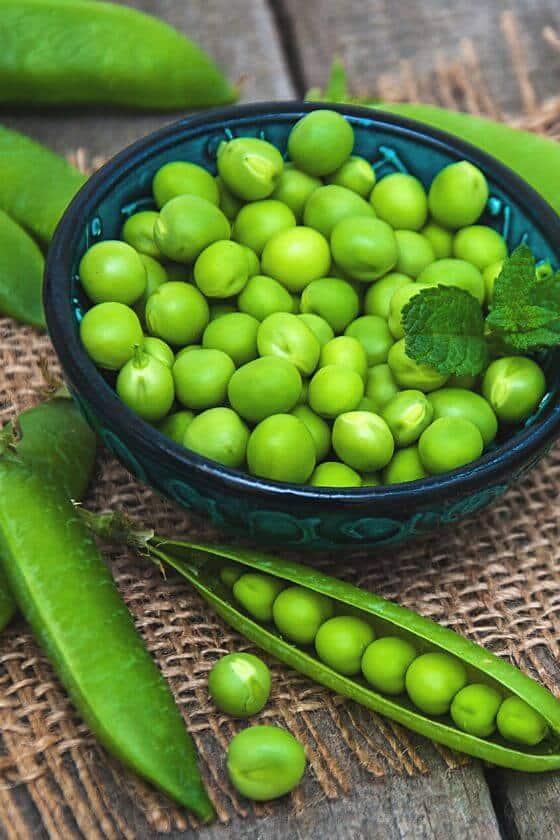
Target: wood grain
239 35
375 36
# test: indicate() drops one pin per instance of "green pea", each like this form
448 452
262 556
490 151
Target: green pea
332 299
159 350
385 663
175 425
286 336
514 387
399 300
262 296
294 188
405 465
145 385
490 274
334 390
440 239
460 402
282 449
229 204
458 195
362 440
183 178
253 261
415 253
265 762
474 709
230 575
341 642
112 271
110 332
433 680
520 723
177 312
328 205
222 269
479 245
320 328
218 434
320 142
138 232
187 225
410 374
356 174
156 275
295 257
449 443
256 593
401 201
380 387
364 248
378 296
263 387
317 428
455 272
298 613
407 414
257 222
335 474
202 377
374 335
235 333
249 167
239 684
345 351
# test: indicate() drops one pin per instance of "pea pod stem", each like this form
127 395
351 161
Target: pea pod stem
194 561
66 593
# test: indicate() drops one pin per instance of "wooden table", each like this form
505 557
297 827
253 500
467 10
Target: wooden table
279 48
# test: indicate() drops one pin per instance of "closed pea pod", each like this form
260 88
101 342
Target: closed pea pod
461 659
21 274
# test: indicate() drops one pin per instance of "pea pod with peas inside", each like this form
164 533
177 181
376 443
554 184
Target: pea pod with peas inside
456 693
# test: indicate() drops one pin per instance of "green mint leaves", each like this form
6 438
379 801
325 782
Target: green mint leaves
445 326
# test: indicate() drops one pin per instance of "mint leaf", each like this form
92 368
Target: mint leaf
444 327
525 311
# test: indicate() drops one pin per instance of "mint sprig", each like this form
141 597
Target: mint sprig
445 326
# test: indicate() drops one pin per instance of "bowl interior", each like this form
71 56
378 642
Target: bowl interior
123 187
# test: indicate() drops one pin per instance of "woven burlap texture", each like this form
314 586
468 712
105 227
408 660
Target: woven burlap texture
494 578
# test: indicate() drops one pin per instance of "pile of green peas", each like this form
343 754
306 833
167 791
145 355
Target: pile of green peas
435 683
255 317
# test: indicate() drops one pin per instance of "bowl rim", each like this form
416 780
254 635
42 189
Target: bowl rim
84 377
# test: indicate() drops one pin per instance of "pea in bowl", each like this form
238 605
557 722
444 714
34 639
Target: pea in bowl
280 512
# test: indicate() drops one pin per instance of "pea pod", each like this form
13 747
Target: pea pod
55 441
104 53
67 594
533 157
21 274
200 564
36 185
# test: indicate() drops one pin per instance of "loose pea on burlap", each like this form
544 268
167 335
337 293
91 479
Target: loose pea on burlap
495 578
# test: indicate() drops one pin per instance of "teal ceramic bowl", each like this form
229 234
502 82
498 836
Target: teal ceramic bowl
284 514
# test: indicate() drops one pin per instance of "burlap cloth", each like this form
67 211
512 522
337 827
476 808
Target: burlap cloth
494 578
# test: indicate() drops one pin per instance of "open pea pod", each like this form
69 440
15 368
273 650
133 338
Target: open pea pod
200 564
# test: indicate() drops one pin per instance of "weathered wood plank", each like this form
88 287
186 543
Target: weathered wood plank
240 36
528 806
374 37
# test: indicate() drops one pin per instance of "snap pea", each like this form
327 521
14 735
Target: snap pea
36 185
67 594
104 53
201 564
533 157
21 274
53 439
